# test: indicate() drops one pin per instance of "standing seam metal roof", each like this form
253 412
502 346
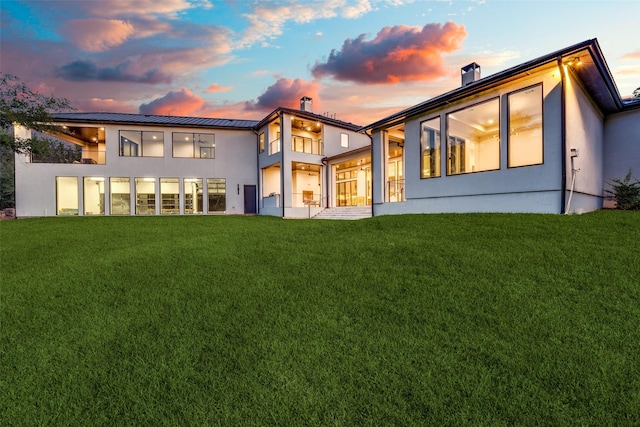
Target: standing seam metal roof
155 120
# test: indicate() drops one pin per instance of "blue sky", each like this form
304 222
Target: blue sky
358 59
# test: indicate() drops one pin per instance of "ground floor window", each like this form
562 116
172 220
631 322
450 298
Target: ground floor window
473 142
120 196
145 196
94 195
169 195
216 194
430 144
67 195
525 127
193 196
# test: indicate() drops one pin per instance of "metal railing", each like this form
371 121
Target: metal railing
303 144
274 146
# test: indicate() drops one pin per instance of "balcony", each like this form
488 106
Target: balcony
274 146
307 145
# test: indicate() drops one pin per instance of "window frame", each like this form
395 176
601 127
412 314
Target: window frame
464 140
194 147
515 92
439 143
139 147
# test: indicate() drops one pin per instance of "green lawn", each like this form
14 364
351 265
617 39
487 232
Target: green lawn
479 319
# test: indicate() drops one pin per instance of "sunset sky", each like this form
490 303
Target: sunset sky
358 59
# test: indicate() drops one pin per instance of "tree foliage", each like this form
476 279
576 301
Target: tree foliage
636 93
23 106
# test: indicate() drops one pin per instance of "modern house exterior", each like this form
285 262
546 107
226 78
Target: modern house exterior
543 137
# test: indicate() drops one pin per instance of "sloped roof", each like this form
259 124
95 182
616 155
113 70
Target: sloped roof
121 118
310 116
594 74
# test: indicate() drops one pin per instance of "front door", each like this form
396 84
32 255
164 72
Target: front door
250 205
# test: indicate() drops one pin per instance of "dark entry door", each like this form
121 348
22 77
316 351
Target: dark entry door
250 206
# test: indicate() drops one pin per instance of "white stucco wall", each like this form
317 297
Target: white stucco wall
235 161
585 131
622 145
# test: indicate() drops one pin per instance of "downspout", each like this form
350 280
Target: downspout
372 180
259 174
563 134
281 116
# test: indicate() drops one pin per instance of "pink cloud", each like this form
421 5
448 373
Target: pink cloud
105 105
631 56
398 53
97 35
215 87
182 102
286 93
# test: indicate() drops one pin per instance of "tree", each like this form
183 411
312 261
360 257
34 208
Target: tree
636 93
33 110
21 105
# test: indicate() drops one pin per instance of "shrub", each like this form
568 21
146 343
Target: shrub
625 192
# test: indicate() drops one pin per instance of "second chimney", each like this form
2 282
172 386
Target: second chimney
470 73
306 104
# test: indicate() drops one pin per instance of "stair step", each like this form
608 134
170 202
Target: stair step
345 212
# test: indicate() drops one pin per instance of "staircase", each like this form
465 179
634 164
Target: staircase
345 212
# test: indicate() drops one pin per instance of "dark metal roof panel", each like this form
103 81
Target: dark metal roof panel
114 118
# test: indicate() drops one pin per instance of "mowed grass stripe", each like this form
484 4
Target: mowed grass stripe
480 319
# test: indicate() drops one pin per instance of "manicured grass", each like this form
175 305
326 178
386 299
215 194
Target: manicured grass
401 320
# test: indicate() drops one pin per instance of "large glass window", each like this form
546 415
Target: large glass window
473 140
525 127
169 195
120 196
430 146
67 195
134 143
194 145
216 192
145 196
94 195
193 195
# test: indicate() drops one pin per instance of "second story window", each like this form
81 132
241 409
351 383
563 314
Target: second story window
261 142
194 145
135 143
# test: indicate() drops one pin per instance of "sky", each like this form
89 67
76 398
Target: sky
360 60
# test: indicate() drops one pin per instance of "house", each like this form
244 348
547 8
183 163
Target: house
133 164
541 137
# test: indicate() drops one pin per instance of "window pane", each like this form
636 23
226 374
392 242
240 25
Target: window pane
216 191
170 195
192 195
261 142
120 196
344 140
206 145
153 144
430 145
67 195
525 127
94 195
473 142
145 196
130 141
183 144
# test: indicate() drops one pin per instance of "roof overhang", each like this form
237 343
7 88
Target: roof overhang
593 73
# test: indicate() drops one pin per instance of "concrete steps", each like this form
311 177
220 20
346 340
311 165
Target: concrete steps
345 212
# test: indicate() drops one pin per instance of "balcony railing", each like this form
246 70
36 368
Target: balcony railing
71 156
274 146
396 190
303 144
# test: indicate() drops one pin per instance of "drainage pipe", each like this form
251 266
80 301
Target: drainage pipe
563 132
